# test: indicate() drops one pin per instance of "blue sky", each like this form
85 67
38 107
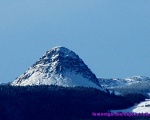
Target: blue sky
111 36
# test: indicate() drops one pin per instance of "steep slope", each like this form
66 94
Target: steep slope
59 66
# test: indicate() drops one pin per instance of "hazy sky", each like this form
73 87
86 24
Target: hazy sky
111 36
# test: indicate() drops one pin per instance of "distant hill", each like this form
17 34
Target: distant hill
136 84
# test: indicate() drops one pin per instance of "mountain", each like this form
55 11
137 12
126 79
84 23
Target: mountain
59 66
117 82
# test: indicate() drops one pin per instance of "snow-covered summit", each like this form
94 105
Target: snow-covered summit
59 66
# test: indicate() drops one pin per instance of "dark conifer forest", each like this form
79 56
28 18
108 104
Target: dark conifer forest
58 103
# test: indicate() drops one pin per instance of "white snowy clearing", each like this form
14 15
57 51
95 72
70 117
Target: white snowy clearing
142 107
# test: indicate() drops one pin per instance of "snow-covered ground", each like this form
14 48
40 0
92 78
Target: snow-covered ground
142 107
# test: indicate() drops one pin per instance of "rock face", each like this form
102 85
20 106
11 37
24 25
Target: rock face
59 66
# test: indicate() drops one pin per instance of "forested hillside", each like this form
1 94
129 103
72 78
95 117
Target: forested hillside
54 103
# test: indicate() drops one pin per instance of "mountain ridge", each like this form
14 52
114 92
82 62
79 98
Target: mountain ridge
121 82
